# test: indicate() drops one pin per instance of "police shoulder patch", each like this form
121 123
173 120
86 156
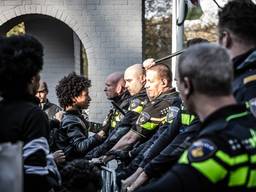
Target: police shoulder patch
252 105
143 118
201 150
172 113
135 103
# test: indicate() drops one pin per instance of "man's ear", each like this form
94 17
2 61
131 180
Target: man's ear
165 83
143 79
226 39
188 87
120 88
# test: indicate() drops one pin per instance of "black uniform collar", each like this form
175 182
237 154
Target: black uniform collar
142 93
166 94
119 99
220 116
239 62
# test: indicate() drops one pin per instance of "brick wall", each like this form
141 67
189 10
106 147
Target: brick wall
110 30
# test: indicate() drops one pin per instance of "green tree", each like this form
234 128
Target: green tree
157 28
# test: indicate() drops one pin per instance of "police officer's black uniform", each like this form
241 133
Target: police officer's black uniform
223 158
244 84
154 113
168 148
151 118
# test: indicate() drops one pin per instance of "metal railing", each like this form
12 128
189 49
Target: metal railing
108 174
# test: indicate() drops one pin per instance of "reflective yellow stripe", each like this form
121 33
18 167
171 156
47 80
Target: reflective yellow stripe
252 179
249 79
236 116
247 104
253 138
138 109
232 160
113 124
186 119
184 158
210 169
253 159
160 119
238 177
149 125
115 118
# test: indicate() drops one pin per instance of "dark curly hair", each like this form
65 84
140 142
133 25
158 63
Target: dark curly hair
70 87
21 58
79 176
239 16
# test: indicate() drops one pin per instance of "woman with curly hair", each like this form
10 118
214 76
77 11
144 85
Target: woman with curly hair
72 137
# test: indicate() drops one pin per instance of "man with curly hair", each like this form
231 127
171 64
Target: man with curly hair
21 60
72 137
237 28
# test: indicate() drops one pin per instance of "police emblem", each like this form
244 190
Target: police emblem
201 150
135 103
172 113
143 118
197 152
252 104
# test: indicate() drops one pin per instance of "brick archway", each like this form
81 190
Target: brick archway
59 14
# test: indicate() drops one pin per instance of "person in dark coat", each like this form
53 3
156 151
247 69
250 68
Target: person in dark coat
49 108
72 136
21 60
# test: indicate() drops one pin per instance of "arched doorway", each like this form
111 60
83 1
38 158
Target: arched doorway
63 51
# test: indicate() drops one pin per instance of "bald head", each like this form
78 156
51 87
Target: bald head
115 77
136 69
114 85
134 77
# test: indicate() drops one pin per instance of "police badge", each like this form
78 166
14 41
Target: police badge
172 113
143 118
252 105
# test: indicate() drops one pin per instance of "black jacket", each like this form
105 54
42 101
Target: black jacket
50 109
22 120
72 137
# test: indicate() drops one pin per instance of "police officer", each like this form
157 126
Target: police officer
162 96
166 149
134 77
222 158
237 28
115 92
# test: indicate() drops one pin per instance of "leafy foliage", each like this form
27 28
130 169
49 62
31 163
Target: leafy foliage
158 26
